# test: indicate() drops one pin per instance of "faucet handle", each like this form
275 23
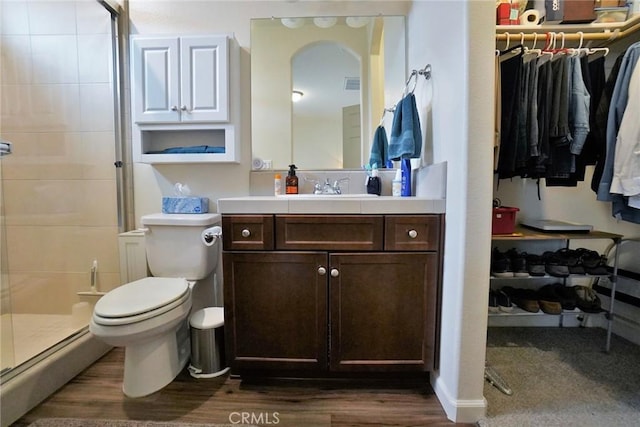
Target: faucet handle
317 186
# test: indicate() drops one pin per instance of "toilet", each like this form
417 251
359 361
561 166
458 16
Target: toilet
149 316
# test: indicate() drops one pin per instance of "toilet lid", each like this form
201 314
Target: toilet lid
141 296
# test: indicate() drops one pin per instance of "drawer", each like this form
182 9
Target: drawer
329 232
247 232
412 232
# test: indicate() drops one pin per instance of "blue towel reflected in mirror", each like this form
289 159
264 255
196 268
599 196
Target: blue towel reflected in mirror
379 148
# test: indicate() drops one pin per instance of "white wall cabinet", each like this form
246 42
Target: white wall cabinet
180 79
181 91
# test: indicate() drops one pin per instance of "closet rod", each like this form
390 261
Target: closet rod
607 35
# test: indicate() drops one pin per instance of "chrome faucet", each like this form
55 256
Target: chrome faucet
328 188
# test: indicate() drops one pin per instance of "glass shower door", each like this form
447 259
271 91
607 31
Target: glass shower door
60 225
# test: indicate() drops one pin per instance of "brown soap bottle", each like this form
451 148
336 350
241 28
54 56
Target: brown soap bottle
291 182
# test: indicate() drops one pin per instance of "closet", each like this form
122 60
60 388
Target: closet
521 51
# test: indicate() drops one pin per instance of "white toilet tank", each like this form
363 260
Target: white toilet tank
175 247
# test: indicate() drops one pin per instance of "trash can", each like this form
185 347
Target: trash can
207 343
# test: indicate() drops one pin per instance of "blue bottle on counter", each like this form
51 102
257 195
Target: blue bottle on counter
405 170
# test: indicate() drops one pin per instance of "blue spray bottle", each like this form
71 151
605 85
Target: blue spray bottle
405 168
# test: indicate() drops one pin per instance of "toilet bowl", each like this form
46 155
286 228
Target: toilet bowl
149 316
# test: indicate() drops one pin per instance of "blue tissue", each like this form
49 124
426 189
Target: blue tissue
185 205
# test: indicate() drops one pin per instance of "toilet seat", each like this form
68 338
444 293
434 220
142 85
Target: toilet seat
141 300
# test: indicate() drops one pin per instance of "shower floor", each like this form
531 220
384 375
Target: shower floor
31 335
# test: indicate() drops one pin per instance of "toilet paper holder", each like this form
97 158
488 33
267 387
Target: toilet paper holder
211 234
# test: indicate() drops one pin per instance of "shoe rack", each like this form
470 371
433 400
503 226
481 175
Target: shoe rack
522 234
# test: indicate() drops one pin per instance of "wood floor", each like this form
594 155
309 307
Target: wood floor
96 394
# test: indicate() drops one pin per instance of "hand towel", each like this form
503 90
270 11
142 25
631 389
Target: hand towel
379 148
406 135
191 150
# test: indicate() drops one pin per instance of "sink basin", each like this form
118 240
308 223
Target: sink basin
325 196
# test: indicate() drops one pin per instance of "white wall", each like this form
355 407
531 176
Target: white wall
461 88
204 17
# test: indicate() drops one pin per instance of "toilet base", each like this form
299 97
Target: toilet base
152 364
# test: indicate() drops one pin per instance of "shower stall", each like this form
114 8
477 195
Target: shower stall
61 183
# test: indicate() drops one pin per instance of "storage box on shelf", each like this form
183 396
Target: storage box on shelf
504 220
522 235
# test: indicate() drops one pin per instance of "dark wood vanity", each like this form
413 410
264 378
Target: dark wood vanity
332 294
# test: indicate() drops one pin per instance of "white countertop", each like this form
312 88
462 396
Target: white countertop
341 204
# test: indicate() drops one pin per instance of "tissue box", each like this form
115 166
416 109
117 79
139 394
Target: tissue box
185 205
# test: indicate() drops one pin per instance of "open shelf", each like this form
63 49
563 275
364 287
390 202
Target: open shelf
520 312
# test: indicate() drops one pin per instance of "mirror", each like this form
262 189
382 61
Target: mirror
348 71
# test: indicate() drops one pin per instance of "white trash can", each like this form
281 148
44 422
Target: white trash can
207 343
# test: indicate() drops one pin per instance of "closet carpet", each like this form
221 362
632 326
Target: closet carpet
562 377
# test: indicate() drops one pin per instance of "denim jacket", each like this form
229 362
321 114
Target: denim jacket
578 108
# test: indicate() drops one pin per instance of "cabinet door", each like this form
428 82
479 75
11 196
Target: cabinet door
204 88
156 79
383 311
275 310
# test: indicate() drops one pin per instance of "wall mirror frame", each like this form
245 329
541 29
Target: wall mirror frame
304 54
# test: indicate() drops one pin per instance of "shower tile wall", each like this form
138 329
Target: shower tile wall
59 185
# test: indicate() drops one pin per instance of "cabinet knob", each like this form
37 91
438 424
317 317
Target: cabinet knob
174 108
184 108
246 233
322 271
335 272
413 234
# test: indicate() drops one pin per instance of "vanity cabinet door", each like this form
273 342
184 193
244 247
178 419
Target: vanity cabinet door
383 311
276 311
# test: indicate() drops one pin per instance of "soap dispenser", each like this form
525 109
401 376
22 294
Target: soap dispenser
291 182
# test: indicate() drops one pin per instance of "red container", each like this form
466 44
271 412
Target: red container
504 220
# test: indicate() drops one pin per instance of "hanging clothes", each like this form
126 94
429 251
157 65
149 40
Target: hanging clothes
626 168
599 129
617 106
595 78
511 75
619 203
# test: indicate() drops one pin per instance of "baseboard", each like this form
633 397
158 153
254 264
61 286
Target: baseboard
27 389
459 410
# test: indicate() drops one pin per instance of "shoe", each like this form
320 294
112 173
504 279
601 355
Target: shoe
572 258
493 302
555 265
567 295
500 264
549 300
535 265
588 301
594 263
526 299
504 302
518 262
